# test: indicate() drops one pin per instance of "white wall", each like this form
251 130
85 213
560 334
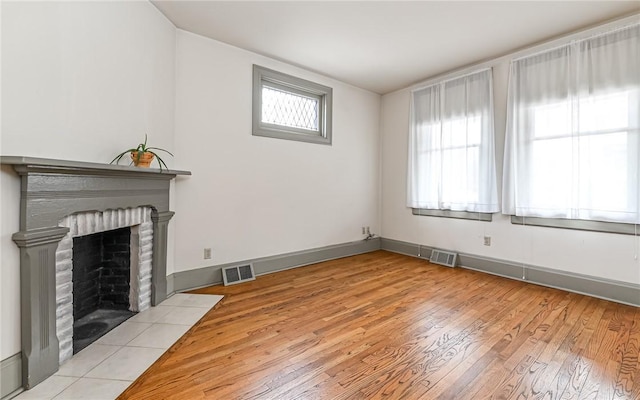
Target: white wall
9 264
253 196
80 81
602 255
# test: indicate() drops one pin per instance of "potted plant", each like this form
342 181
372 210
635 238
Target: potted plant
142 156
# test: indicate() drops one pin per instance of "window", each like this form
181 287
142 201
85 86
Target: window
573 131
287 107
451 147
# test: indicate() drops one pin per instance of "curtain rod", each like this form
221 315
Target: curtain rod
574 41
618 23
452 78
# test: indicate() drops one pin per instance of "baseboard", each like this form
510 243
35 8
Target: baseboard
170 285
406 248
206 276
620 292
11 376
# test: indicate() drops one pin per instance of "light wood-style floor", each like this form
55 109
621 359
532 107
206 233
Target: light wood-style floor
383 325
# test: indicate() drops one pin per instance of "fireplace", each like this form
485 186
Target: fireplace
136 225
101 272
63 199
101 276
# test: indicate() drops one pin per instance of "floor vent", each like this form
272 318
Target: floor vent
238 274
442 257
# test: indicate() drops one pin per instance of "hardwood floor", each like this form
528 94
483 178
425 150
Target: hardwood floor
383 325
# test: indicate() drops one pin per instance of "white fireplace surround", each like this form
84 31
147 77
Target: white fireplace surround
88 223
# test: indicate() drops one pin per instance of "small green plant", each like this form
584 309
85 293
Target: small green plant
137 153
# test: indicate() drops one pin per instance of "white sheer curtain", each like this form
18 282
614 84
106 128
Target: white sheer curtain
572 141
451 146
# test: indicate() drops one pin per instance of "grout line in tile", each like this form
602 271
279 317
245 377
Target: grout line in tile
143 331
158 348
120 347
100 363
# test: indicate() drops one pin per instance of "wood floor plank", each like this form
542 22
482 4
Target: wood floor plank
384 325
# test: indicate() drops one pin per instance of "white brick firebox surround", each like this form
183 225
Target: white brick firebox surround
88 223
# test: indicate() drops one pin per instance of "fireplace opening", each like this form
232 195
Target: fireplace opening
101 284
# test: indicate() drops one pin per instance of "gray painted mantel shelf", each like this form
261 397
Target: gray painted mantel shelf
51 190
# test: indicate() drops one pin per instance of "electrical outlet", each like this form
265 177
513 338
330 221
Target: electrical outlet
487 240
207 253
364 232
368 231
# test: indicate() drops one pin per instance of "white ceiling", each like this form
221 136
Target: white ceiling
387 45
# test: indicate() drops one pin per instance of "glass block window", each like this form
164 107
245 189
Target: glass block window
286 107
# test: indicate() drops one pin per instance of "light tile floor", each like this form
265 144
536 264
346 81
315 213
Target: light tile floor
107 367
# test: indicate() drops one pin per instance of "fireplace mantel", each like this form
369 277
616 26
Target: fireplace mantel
67 166
51 190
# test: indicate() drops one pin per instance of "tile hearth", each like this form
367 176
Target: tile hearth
107 367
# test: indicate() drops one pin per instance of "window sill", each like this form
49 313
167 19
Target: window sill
577 224
473 216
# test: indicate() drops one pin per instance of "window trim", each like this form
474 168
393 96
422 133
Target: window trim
577 224
581 198
298 86
596 224
484 112
470 215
